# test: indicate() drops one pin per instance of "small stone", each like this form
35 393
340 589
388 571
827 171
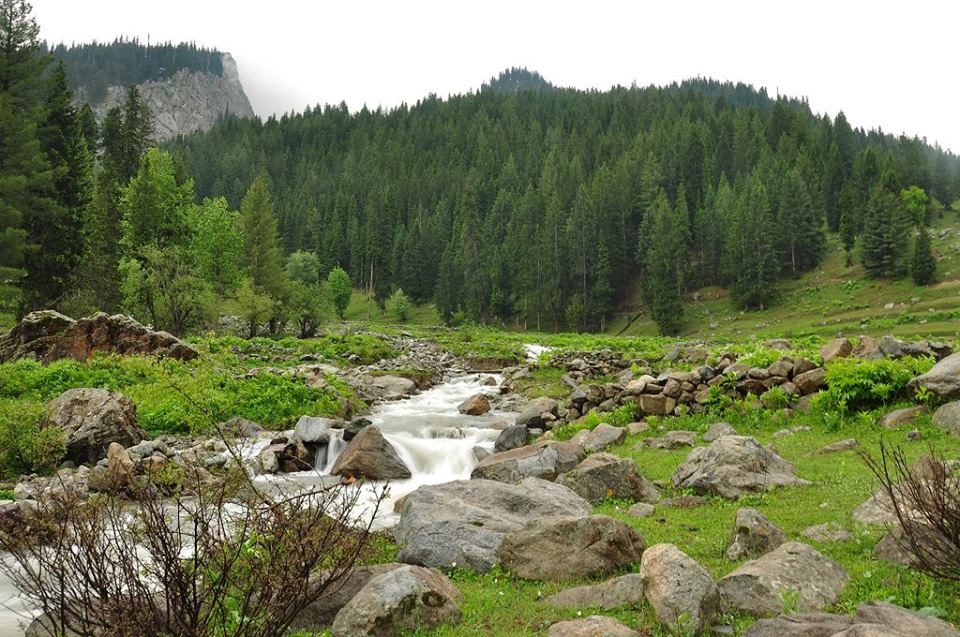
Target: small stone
641 510
828 532
672 440
592 626
843 445
753 535
900 417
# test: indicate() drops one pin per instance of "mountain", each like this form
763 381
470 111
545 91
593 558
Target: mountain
187 88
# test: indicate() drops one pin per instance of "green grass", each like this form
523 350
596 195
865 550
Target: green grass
830 300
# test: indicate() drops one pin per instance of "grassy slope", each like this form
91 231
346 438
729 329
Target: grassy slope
499 604
830 300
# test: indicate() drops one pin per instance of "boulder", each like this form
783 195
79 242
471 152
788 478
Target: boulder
672 440
847 444
559 548
600 437
811 381
733 465
943 379
753 535
370 455
240 428
47 336
408 598
894 547
718 429
464 522
512 437
545 460
681 592
761 586
604 475
900 417
532 414
827 532
476 405
902 621
626 590
91 419
867 347
592 626
813 624
312 430
948 417
877 510
641 510
837 348
656 404
391 387
322 611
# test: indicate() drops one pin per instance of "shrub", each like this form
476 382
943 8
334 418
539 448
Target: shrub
217 559
926 501
399 305
855 384
25 446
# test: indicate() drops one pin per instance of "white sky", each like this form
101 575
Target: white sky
887 64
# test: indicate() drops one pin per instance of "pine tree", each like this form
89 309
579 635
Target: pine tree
261 255
154 208
924 265
886 235
601 293
753 259
662 266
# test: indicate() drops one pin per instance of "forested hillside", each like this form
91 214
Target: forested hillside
541 207
93 67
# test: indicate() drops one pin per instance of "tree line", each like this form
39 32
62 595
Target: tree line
539 208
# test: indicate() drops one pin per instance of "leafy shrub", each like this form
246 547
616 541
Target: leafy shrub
855 384
25 446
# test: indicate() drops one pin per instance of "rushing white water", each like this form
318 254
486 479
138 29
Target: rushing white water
533 351
431 436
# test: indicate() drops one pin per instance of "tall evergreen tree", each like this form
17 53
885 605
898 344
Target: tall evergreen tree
753 259
261 255
663 261
924 265
886 235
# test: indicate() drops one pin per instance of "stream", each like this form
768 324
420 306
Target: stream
431 436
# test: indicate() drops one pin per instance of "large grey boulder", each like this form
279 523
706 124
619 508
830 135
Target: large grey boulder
91 419
717 430
948 417
681 592
592 626
406 598
943 379
512 437
567 547
391 387
733 465
370 455
753 535
814 624
604 475
464 522
759 587
315 430
532 413
545 460
837 348
811 381
625 590
322 612
600 437
902 621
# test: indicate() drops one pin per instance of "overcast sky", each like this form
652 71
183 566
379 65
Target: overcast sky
888 64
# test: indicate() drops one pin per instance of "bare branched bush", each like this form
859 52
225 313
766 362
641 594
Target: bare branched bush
215 558
925 498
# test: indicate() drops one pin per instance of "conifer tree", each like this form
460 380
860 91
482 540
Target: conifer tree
886 235
753 258
261 240
662 281
924 265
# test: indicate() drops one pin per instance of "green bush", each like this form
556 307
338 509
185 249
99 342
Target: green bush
25 446
855 384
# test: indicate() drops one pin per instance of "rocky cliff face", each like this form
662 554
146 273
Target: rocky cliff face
187 101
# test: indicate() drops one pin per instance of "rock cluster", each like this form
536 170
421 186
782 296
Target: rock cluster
48 335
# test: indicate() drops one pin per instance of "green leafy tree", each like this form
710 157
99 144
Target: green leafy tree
155 209
341 288
253 307
303 266
399 305
915 201
216 244
309 306
923 269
